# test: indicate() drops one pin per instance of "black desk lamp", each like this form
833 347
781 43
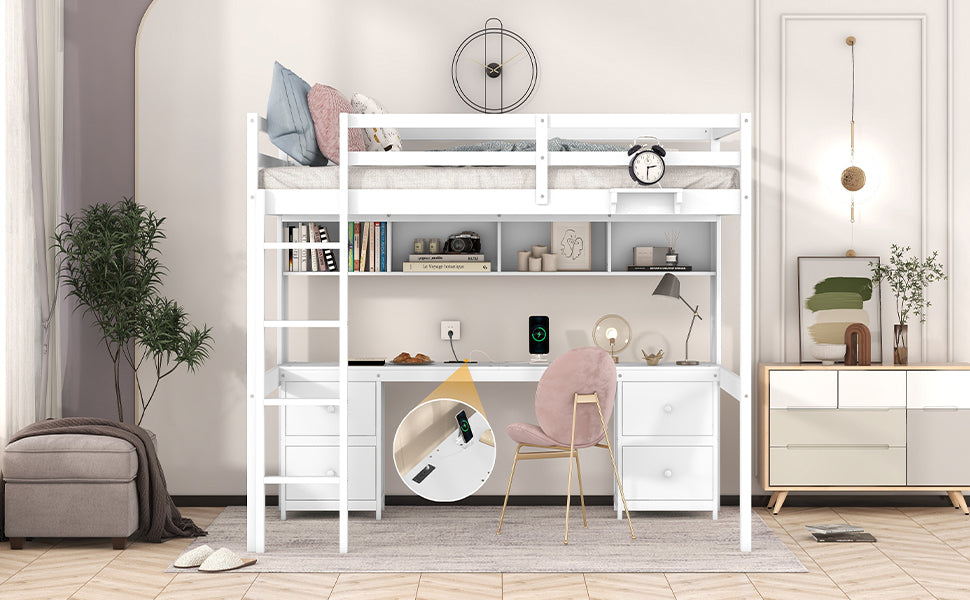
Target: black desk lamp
670 286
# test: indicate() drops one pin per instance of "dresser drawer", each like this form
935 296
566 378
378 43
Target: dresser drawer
322 461
808 389
668 472
937 446
668 408
872 389
844 426
939 389
323 420
853 466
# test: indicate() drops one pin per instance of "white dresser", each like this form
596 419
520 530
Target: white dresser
665 432
876 428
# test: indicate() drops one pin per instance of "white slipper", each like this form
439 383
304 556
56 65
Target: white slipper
224 559
194 557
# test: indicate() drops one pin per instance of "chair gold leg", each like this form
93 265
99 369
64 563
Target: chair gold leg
508 489
569 483
582 499
616 473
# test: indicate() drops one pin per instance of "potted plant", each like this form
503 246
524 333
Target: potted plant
908 279
109 260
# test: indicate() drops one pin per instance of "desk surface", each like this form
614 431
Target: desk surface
497 372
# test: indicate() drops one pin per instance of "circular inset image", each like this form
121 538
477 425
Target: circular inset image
444 450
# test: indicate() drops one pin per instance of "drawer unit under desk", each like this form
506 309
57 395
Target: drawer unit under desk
324 420
323 461
667 408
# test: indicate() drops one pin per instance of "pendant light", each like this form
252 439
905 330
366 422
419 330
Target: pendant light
853 177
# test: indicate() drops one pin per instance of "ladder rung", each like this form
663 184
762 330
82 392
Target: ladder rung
302 402
296 245
301 323
276 479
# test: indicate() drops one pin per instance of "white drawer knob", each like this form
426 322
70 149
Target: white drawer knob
668 473
331 473
331 409
668 408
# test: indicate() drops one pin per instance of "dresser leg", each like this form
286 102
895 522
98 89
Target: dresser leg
772 500
958 501
779 501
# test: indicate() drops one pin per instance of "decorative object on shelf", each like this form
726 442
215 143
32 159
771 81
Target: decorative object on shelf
646 162
571 242
108 258
494 69
828 353
833 293
612 333
523 257
907 279
649 256
853 177
434 246
549 262
539 339
653 359
535 264
538 251
420 246
670 286
671 257
466 242
858 345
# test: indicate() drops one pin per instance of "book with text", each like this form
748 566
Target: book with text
446 267
446 257
659 268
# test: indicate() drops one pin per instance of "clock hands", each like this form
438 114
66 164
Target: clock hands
506 62
496 69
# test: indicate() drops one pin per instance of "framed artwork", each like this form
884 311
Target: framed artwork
833 293
570 241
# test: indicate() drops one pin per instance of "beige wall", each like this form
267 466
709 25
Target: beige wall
202 66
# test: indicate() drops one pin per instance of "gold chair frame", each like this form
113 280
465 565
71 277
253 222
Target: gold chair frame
573 453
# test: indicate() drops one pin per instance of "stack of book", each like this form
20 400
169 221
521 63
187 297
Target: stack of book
659 268
447 263
367 246
309 260
839 532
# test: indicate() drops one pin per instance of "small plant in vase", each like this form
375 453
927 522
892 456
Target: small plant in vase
908 279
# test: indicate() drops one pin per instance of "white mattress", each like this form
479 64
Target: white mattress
423 178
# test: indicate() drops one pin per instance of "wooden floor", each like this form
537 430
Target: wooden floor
921 553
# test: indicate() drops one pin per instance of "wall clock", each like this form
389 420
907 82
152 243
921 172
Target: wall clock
494 70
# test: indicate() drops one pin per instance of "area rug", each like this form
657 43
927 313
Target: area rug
433 539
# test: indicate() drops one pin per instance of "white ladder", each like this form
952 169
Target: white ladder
257 386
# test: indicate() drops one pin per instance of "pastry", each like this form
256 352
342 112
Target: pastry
414 360
402 357
423 357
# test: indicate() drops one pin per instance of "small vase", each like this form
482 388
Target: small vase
671 258
900 345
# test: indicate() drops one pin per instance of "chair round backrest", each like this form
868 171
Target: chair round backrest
582 371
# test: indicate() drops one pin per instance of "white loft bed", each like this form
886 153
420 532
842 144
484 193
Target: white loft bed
362 189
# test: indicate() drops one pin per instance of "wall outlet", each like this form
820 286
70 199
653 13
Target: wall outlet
454 326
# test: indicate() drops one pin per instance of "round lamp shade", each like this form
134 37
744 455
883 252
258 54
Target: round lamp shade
612 333
853 179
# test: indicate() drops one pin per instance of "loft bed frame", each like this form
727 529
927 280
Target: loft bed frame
701 133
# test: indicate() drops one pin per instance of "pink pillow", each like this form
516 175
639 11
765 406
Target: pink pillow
326 104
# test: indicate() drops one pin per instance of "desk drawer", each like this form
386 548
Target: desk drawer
938 389
668 472
837 466
323 420
668 408
815 389
322 460
844 426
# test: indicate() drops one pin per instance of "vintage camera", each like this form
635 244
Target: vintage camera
466 242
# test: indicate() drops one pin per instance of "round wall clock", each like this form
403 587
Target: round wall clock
494 69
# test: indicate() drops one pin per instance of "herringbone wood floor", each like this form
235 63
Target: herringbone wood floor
921 553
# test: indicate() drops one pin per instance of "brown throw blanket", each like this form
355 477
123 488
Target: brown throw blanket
158 517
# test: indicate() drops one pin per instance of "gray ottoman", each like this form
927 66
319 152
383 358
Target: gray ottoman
70 485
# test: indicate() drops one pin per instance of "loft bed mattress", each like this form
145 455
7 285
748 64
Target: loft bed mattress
423 178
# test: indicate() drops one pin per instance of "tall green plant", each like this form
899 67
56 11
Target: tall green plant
908 279
109 261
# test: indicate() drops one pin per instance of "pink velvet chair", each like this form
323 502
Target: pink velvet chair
574 400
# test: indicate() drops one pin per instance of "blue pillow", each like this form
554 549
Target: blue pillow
288 118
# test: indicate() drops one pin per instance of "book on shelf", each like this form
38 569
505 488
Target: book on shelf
290 232
446 257
659 268
304 237
364 245
373 230
383 246
446 267
313 262
327 260
350 245
356 266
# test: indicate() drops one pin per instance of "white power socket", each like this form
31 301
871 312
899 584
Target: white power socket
454 326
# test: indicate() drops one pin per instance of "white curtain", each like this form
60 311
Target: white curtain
34 39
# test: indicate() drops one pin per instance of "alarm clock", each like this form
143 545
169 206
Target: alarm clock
646 162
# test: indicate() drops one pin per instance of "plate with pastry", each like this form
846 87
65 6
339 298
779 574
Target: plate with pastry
405 358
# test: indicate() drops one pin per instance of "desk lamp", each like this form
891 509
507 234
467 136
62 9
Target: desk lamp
670 286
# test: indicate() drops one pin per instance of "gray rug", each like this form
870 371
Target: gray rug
431 539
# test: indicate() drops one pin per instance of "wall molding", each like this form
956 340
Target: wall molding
784 279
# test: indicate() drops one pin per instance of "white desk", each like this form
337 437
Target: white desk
666 436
